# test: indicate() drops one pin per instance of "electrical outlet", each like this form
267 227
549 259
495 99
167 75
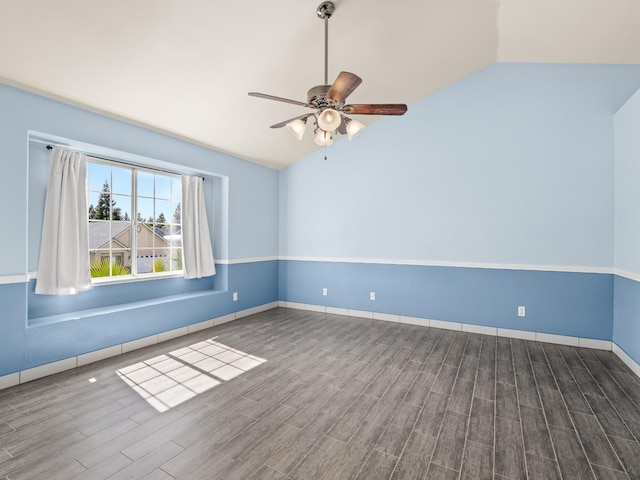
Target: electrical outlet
324 292
372 295
522 312
235 296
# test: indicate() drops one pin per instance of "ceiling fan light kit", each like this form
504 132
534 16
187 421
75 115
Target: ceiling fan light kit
354 127
328 101
329 120
323 138
297 127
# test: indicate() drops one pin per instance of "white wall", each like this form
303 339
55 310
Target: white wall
512 165
627 178
626 314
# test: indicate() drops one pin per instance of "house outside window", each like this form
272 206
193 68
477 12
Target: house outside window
134 221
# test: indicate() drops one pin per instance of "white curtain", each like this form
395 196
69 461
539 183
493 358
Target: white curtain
63 267
197 251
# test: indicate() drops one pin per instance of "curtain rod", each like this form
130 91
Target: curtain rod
50 147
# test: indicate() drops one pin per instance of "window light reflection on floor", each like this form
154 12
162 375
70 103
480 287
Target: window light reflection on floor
173 378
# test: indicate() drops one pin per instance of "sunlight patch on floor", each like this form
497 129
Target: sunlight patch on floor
175 377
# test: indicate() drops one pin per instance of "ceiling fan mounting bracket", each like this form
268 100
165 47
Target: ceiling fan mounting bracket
325 10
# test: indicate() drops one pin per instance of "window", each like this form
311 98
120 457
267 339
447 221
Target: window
134 220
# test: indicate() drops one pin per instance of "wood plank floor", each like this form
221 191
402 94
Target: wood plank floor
296 395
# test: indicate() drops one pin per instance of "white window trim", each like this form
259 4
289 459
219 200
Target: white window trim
141 277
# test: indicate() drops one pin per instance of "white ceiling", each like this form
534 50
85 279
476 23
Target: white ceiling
184 67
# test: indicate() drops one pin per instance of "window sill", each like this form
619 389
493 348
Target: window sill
114 309
98 282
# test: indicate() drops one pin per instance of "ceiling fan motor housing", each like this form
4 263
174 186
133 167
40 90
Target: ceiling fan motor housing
316 96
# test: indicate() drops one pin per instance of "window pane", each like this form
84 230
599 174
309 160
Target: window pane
99 174
99 266
176 212
121 262
121 207
145 209
174 236
99 235
121 234
102 204
93 198
144 262
176 259
176 189
163 186
121 178
163 211
155 213
145 184
145 239
161 261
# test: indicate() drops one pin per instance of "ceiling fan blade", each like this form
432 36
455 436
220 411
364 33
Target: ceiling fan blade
344 85
282 124
375 109
280 99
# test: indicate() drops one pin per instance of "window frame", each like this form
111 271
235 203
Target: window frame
134 275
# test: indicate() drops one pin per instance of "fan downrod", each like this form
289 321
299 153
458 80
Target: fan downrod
325 10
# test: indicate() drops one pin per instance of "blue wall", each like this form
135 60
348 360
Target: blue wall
626 332
511 168
246 226
626 314
563 303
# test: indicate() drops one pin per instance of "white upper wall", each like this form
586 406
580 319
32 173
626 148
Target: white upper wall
510 166
569 31
627 184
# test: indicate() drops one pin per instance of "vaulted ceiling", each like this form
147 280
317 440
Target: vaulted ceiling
184 67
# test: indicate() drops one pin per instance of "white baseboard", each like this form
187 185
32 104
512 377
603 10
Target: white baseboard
24 376
595 344
481 329
45 370
196 327
457 326
139 343
559 339
360 314
92 357
338 311
629 362
520 334
386 317
48 369
460 327
421 322
9 380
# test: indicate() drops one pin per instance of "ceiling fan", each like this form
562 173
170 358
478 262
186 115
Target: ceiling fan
328 101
